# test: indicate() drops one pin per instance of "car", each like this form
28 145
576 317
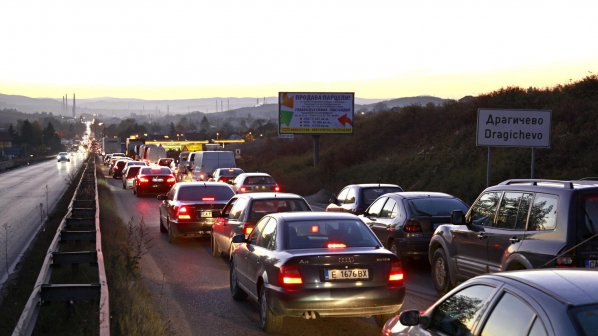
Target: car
241 213
129 174
153 180
166 162
63 156
254 182
355 198
547 302
189 209
113 162
405 221
315 264
226 175
120 165
518 224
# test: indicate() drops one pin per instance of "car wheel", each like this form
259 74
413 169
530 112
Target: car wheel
214 246
138 193
162 228
236 291
171 235
269 322
440 272
381 319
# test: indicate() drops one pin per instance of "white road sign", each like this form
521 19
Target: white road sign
513 128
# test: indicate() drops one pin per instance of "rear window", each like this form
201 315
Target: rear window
230 172
590 214
260 208
165 162
586 319
132 171
196 193
435 206
320 233
371 194
251 180
156 171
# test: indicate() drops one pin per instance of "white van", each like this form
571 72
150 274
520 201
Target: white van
204 163
154 153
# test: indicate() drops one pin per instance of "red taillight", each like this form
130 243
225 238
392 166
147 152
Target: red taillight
183 213
289 276
565 262
336 245
116 168
201 177
208 199
277 188
412 227
171 179
396 272
243 189
248 228
315 229
143 180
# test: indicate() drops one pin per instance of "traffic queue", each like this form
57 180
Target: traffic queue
349 261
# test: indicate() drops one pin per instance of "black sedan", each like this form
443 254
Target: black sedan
190 208
243 211
531 302
355 198
405 221
315 264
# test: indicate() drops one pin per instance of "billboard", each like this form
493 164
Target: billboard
513 128
315 112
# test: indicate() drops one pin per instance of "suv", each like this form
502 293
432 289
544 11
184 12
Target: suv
518 224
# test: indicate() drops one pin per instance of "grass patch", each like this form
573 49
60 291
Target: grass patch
132 308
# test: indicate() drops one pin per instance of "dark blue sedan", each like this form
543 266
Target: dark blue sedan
315 264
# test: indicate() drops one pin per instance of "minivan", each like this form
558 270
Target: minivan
204 163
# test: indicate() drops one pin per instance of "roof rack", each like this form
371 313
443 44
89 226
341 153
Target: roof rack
535 182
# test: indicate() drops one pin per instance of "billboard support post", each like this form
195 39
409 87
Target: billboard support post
533 167
489 167
316 150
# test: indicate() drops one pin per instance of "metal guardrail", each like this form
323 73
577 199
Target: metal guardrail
82 223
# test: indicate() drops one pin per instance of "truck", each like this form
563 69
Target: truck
154 153
132 146
111 145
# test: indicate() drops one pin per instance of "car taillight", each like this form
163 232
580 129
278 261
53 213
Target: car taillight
248 228
208 199
564 262
243 189
289 276
412 227
183 213
143 180
333 246
201 177
171 179
116 168
277 188
396 272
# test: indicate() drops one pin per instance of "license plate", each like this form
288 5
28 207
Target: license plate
207 214
155 186
346 274
158 180
591 263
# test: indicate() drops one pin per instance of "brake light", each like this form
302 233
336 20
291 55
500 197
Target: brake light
333 246
143 180
116 168
276 188
183 213
243 189
315 229
248 228
201 176
412 226
207 199
564 262
289 276
396 272
171 179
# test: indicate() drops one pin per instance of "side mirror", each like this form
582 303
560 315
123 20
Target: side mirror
239 239
409 318
332 200
162 197
457 217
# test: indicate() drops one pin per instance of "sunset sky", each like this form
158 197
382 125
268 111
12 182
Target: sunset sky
228 48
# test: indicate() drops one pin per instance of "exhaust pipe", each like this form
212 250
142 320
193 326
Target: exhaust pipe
309 315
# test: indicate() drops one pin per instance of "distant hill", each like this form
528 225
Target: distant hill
400 102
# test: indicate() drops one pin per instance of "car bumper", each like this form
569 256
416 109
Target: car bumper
152 190
193 229
413 247
347 302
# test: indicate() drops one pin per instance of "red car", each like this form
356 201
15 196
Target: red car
153 180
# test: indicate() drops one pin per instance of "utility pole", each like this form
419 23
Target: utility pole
74 106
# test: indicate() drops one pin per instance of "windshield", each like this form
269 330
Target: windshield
586 319
371 194
435 206
252 180
320 233
156 171
197 192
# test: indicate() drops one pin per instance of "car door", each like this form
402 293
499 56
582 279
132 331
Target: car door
371 216
383 224
469 242
231 226
244 253
260 252
166 206
506 234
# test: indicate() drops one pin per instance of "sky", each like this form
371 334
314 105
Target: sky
252 48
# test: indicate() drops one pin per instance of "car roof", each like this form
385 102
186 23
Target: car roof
255 174
570 286
201 184
318 215
420 194
538 184
268 195
372 185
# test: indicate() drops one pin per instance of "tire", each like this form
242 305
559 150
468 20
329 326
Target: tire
269 322
237 293
162 228
171 235
138 193
214 246
124 186
441 277
381 319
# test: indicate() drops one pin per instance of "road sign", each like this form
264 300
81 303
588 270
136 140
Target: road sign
513 128
315 112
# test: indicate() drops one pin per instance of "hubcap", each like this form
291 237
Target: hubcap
440 273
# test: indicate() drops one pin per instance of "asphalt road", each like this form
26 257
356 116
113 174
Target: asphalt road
23 190
191 287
